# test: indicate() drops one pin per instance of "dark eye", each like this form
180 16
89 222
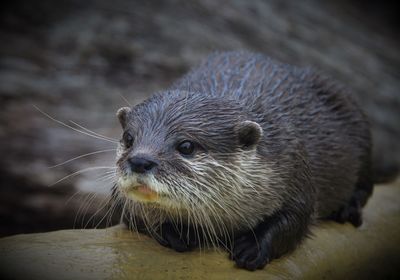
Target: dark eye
186 148
127 138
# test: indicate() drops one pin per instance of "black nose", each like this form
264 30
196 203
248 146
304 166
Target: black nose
141 165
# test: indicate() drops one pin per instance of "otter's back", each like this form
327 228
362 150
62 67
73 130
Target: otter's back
321 114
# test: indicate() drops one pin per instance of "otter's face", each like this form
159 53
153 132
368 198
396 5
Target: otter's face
183 152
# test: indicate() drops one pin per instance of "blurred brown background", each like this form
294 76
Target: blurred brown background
76 59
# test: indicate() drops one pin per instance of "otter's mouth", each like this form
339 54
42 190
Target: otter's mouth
139 189
142 193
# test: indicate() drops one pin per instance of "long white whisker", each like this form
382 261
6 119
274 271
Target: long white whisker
92 132
106 203
82 156
107 176
80 172
93 216
121 220
84 205
116 202
125 99
71 127
72 196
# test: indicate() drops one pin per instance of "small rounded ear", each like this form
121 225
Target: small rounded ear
249 134
122 115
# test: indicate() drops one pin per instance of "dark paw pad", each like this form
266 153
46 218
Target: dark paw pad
249 254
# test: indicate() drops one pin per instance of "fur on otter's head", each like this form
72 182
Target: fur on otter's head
195 159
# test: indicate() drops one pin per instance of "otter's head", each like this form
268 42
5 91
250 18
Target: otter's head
191 155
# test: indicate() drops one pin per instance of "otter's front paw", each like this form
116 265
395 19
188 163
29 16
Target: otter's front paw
250 253
171 238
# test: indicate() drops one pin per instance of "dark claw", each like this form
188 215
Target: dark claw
349 213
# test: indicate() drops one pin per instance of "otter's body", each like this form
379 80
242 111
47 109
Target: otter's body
246 152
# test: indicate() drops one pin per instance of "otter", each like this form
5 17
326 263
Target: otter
246 153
